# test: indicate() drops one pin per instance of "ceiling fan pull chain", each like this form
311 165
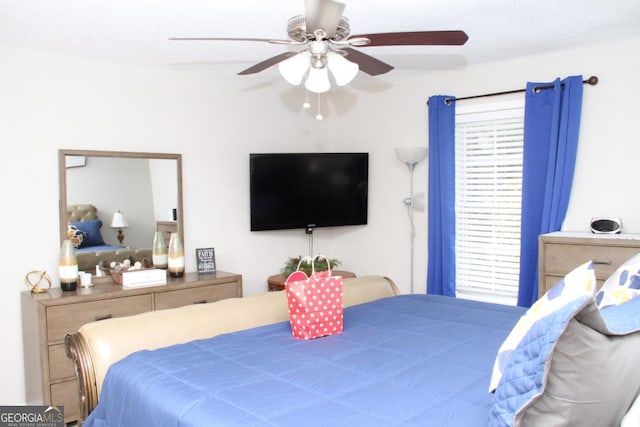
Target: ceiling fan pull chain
306 104
319 115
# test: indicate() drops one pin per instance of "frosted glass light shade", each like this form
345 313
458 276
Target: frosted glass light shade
293 69
418 202
342 69
411 155
318 80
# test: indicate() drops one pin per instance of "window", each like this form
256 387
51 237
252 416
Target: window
489 150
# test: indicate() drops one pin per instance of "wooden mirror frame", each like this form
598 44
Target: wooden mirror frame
62 171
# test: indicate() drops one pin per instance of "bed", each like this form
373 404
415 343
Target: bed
84 230
403 360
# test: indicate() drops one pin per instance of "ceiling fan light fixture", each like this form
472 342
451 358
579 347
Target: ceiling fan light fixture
318 80
343 70
293 69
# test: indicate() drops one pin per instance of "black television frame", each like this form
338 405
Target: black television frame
311 180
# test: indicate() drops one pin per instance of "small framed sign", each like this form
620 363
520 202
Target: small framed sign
206 259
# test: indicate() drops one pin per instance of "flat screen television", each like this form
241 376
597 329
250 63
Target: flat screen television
308 190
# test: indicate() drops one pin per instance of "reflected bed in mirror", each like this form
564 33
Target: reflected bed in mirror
112 202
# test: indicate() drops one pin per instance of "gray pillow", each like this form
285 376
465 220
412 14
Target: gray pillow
592 377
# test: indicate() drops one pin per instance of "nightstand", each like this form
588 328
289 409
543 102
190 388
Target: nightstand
276 282
562 251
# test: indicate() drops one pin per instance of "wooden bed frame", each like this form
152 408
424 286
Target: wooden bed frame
97 345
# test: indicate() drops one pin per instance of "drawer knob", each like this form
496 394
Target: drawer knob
103 317
602 261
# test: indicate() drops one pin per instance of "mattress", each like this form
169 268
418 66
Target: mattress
410 360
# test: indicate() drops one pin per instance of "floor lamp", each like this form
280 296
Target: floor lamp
411 156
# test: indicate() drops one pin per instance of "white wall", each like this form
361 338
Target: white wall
50 102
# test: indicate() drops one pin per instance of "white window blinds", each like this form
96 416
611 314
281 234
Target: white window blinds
489 146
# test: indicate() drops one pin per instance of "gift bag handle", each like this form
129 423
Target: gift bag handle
311 259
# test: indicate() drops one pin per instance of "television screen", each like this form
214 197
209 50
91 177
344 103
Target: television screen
308 190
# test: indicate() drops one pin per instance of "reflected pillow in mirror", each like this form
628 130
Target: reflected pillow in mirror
91 230
75 235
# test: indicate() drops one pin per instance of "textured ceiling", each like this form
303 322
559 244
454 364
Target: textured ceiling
137 30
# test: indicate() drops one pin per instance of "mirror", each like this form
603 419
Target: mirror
143 188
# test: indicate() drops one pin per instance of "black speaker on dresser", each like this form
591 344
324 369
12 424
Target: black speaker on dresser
606 225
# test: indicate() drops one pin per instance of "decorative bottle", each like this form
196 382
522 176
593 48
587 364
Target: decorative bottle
176 256
68 266
159 253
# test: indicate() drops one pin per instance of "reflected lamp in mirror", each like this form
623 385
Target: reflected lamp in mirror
119 221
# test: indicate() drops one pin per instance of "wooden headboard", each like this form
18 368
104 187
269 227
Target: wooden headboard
83 212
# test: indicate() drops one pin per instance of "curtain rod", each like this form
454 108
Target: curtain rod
593 80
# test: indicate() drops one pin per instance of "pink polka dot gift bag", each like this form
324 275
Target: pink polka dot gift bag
315 302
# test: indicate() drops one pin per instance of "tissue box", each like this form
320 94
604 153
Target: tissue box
142 278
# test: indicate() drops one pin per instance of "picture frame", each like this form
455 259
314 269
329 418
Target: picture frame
206 260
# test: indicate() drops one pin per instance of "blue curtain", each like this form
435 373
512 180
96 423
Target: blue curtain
551 125
441 271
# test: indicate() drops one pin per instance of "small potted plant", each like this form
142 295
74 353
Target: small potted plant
319 263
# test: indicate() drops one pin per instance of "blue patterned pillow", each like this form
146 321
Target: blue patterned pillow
622 286
91 230
578 283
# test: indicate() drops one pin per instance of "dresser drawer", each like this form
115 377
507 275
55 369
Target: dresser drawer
560 259
60 367
200 295
62 319
66 393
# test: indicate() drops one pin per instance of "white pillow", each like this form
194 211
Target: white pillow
578 283
622 285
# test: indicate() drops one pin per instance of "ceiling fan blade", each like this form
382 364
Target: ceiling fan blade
323 14
367 64
234 39
267 63
416 38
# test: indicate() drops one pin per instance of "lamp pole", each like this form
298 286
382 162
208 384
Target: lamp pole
409 203
411 156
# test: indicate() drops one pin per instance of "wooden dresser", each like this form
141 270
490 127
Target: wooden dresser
560 252
48 317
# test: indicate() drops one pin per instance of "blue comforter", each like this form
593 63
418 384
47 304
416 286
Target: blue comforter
414 360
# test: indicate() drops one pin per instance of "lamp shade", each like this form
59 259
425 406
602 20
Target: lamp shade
119 221
318 80
293 69
411 155
342 69
419 202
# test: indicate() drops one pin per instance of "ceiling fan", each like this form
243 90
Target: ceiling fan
327 45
